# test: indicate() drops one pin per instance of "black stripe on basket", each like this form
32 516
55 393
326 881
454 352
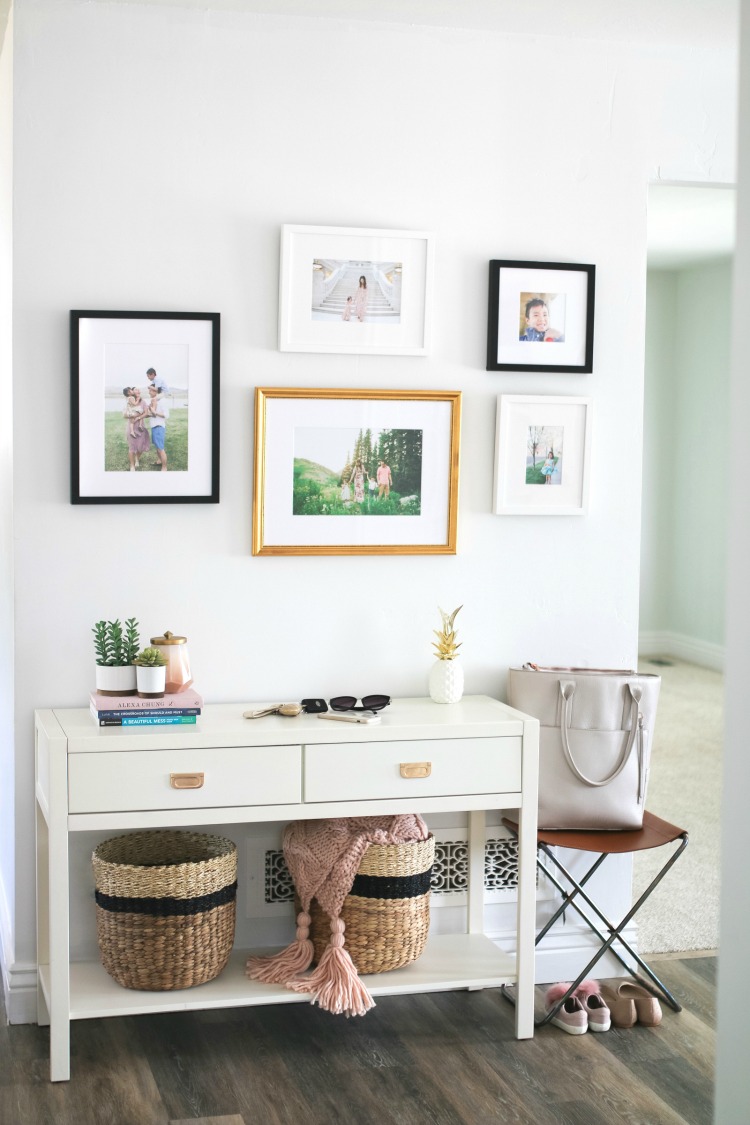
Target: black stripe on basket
396 886
167 907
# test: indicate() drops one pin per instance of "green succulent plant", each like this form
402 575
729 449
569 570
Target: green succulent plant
116 645
150 658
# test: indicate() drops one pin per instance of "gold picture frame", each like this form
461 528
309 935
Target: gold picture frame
355 472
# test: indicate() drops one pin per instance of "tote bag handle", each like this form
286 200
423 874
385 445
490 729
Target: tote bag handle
567 690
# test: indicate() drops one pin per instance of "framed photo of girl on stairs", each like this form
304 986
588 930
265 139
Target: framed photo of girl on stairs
355 290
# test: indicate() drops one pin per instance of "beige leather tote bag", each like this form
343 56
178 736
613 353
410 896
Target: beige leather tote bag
595 735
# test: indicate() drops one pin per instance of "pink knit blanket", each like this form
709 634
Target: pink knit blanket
323 857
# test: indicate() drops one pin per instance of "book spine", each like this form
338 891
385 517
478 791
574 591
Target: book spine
149 721
147 712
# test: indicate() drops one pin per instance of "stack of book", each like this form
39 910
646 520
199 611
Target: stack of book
179 709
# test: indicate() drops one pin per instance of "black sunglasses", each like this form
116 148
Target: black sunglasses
369 703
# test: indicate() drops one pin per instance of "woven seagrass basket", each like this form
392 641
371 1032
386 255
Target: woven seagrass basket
387 912
165 907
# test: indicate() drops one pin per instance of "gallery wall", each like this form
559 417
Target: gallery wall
685 464
157 151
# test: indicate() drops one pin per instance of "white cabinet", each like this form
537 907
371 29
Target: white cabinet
422 757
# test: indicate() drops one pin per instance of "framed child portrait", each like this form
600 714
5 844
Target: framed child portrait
542 455
541 317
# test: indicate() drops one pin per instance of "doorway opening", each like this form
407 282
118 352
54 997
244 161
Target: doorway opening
691 231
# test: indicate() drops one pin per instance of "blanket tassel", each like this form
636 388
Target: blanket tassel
335 983
294 959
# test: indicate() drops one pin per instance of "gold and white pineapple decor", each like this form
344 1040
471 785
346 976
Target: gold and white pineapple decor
446 674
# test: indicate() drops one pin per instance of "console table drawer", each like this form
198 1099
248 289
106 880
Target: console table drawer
179 779
353 771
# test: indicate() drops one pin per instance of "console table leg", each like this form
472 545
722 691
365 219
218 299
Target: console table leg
526 925
59 922
59 1051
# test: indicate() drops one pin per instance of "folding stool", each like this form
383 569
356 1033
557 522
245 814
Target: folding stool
654 833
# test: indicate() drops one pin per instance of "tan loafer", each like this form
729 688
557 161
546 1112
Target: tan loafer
622 1009
647 1007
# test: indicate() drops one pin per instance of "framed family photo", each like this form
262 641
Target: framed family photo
541 317
355 472
542 455
355 290
144 407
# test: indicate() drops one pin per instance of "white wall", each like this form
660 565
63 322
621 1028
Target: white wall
157 152
7 749
658 475
686 462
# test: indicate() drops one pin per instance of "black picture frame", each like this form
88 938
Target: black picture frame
567 291
111 350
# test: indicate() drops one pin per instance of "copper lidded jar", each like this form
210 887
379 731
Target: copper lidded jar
175 650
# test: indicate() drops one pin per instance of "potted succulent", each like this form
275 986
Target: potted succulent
115 646
446 676
151 673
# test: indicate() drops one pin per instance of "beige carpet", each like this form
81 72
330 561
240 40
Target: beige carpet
685 789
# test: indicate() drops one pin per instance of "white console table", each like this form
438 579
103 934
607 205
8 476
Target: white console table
477 755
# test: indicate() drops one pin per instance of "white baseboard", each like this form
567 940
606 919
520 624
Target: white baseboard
6 945
18 978
563 956
21 993
694 651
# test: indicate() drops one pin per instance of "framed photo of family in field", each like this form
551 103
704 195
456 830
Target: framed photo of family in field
541 317
355 472
542 455
144 407
355 290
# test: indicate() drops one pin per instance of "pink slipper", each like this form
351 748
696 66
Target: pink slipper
597 1012
572 1016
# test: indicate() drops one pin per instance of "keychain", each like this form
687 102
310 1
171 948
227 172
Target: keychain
290 709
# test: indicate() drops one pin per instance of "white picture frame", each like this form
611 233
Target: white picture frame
322 266
542 455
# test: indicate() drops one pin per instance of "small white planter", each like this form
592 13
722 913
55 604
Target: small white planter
151 682
117 680
446 681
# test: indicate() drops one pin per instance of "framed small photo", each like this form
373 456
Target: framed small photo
542 452
541 317
349 289
144 396
355 472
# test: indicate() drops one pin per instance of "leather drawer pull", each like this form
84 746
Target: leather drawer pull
415 769
186 780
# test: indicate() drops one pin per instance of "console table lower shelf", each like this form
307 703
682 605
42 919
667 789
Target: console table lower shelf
449 961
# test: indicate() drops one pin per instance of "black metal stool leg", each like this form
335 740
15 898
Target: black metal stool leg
568 896
653 984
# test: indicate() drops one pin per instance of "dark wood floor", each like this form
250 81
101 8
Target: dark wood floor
440 1059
